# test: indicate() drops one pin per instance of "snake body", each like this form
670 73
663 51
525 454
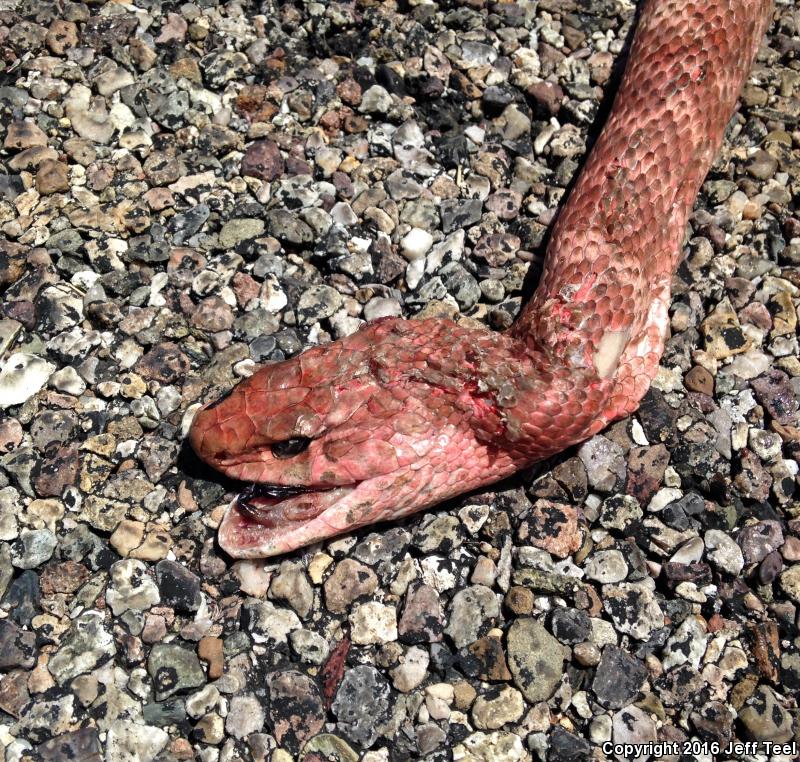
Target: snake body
406 413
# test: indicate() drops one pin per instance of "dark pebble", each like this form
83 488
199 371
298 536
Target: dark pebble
618 678
179 588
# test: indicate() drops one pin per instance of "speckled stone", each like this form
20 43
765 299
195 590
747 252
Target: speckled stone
349 581
497 707
765 718
553 527
131 587
361 703
18 646
87 644
245 716
618 678
633 608
421 620
373 622
535 658
174 669
296 709
469 609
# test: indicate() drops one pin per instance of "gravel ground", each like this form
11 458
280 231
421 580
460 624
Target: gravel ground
188 190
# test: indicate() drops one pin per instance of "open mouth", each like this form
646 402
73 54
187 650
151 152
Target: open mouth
272 505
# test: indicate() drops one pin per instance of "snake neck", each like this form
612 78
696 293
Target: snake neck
601 308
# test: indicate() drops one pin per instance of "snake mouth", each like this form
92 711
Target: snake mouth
275 505
257 501
266 519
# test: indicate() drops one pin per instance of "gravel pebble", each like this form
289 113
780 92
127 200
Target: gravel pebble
131 587
349 581
361 703
174 669
373 622
535 658
296 710
619 678
469 609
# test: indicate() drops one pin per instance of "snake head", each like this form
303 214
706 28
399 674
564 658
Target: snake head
373 427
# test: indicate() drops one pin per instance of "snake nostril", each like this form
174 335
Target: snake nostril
222 398
289 447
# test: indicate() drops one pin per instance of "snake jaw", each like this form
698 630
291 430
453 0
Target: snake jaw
256 527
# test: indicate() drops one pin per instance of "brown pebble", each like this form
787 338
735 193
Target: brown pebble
547 96
775 393
80 151
142 54
331 122
14 694
31 158
61 35
180 748
22 135
646 467
10 435
756 314
59 469
159 199
210 651
743 690
174 30
164 363
770 568
519 600
601 64
349 91
790 550
698 379
186 68
587 654
250 98
715 623
65 577
553 527
766 648
492 658
245 288
464 694
263 160
349 581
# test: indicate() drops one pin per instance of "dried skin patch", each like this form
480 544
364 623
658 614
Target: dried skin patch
610 349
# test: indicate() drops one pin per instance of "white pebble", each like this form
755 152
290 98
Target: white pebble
68 381
21 376
416 244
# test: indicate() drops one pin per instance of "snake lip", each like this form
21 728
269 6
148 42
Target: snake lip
264 489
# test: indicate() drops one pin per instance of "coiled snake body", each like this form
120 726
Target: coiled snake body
404 414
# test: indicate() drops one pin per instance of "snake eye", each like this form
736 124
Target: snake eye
290 447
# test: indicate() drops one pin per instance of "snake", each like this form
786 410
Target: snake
404 414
